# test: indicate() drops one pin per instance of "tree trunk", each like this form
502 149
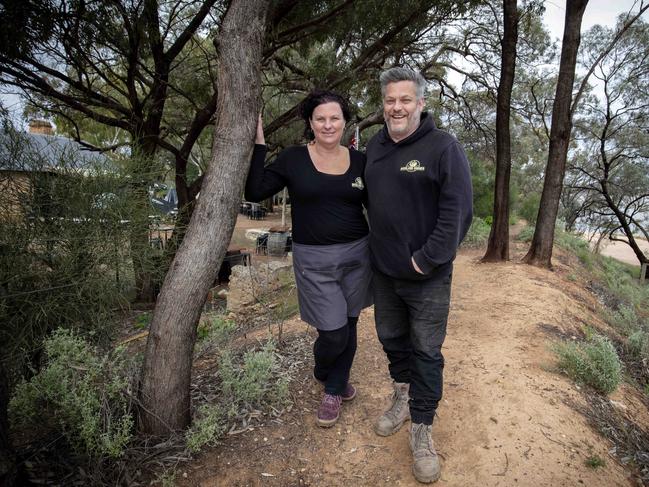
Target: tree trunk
498 245
166 372
624 223
540 252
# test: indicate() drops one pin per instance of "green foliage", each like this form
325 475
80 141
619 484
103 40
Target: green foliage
209 426
478 233
576 244
621 280
638 344
143 320
526 234
528 207
84 390
594 362
594 462
253 383
64 256
624 319
482 179
214 333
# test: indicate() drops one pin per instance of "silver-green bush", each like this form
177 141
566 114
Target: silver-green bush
254 382
84 390
594 362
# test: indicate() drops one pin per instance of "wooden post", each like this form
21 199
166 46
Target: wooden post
643 272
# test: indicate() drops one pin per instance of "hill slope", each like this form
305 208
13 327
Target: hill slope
507 417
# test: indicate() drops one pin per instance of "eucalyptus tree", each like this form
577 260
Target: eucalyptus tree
564 107
114 63
498 244
468 110
349 55
613 178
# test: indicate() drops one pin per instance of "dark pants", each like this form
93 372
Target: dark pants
334 352
411 321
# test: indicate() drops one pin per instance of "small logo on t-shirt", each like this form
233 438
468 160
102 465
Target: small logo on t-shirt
358 183
413 166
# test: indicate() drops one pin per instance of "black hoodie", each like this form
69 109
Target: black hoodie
420 201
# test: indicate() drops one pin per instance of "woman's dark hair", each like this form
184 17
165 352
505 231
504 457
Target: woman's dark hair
316 98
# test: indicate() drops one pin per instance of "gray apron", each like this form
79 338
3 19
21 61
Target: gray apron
333 282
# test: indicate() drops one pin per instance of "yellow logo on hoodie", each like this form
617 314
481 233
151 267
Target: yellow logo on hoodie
413 166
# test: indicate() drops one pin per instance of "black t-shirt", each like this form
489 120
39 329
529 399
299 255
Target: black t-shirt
326 208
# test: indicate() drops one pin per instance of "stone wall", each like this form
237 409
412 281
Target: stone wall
249 285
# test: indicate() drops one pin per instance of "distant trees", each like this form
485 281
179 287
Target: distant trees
563 110
612 177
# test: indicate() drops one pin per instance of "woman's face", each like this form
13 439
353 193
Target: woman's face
328 123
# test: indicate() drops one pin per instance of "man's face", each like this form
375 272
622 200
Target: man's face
402 109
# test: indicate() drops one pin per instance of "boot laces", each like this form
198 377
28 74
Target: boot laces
422 439
399 400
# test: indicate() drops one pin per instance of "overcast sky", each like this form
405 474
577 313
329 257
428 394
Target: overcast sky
603 12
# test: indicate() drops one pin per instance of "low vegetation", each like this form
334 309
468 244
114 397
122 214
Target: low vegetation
610 355
253 381
84 391
478 233
594 362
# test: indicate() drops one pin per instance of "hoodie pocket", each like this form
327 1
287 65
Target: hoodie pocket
393 257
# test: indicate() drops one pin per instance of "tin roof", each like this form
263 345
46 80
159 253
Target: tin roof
23 151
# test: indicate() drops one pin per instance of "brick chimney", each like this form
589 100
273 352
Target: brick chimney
40 127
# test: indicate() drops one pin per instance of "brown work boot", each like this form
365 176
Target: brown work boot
392 419
425 465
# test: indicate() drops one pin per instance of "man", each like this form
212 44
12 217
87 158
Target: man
420 208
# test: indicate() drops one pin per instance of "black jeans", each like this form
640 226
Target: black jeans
334 352
411 321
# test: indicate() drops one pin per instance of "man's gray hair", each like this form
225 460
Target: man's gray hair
394 75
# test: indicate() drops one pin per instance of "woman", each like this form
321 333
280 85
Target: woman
330 243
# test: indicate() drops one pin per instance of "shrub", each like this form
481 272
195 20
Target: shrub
84 391
209 426
576 244
526 234
594 362
637 344
621 279
624 319
478 233
215 332
594 462
251 384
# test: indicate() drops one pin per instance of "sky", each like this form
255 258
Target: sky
603 12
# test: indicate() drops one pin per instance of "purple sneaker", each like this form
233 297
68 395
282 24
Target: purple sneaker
347 395
350 393
329 410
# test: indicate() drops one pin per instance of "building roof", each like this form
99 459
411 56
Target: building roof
24 151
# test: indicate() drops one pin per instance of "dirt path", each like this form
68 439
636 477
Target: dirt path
506 419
